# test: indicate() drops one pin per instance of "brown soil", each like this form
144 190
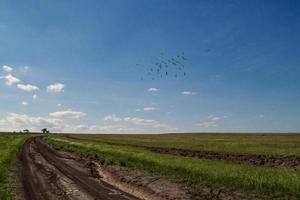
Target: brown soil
46 174
145 187
160 188
256 160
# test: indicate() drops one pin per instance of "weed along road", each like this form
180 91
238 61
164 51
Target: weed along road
49 174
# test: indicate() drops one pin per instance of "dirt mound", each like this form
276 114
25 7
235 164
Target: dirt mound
257 160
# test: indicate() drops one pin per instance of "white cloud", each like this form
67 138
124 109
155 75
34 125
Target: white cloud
141 122
188 93
59 105
102 129
24 103
211 122
67 114
34 97
149 122
56 87
113 118
7 68
146 109
15 122
10 79
27 87
149 108
153 89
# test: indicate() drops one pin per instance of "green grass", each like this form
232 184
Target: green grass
9 147
266 182
267 144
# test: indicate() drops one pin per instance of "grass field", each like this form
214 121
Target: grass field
268 183
9 147
267 144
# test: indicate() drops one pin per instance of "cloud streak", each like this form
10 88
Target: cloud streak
27 87
213 121
21 121
24 103
153 89
188 93
56 87
10 79
7 68
113 118
140 122
67 114
149 108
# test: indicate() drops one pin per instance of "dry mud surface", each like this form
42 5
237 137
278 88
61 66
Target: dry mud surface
49 174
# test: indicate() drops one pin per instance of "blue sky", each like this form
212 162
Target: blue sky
71 65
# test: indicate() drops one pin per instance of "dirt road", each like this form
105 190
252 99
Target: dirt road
48 174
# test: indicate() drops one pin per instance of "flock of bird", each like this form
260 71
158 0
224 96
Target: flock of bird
165 66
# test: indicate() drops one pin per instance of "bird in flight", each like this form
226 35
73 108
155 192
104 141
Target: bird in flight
165 65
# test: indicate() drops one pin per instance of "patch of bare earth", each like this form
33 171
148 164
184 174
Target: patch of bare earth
161 188
47 175
291 162
137 183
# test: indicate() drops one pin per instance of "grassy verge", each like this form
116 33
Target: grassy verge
9 147
267 144
272 183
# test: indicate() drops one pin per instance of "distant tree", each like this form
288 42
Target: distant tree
26 131
45 131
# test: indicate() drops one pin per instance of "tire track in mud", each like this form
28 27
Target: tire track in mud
290 162
47 175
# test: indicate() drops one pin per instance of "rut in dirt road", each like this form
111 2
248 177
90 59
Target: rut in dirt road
47 174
